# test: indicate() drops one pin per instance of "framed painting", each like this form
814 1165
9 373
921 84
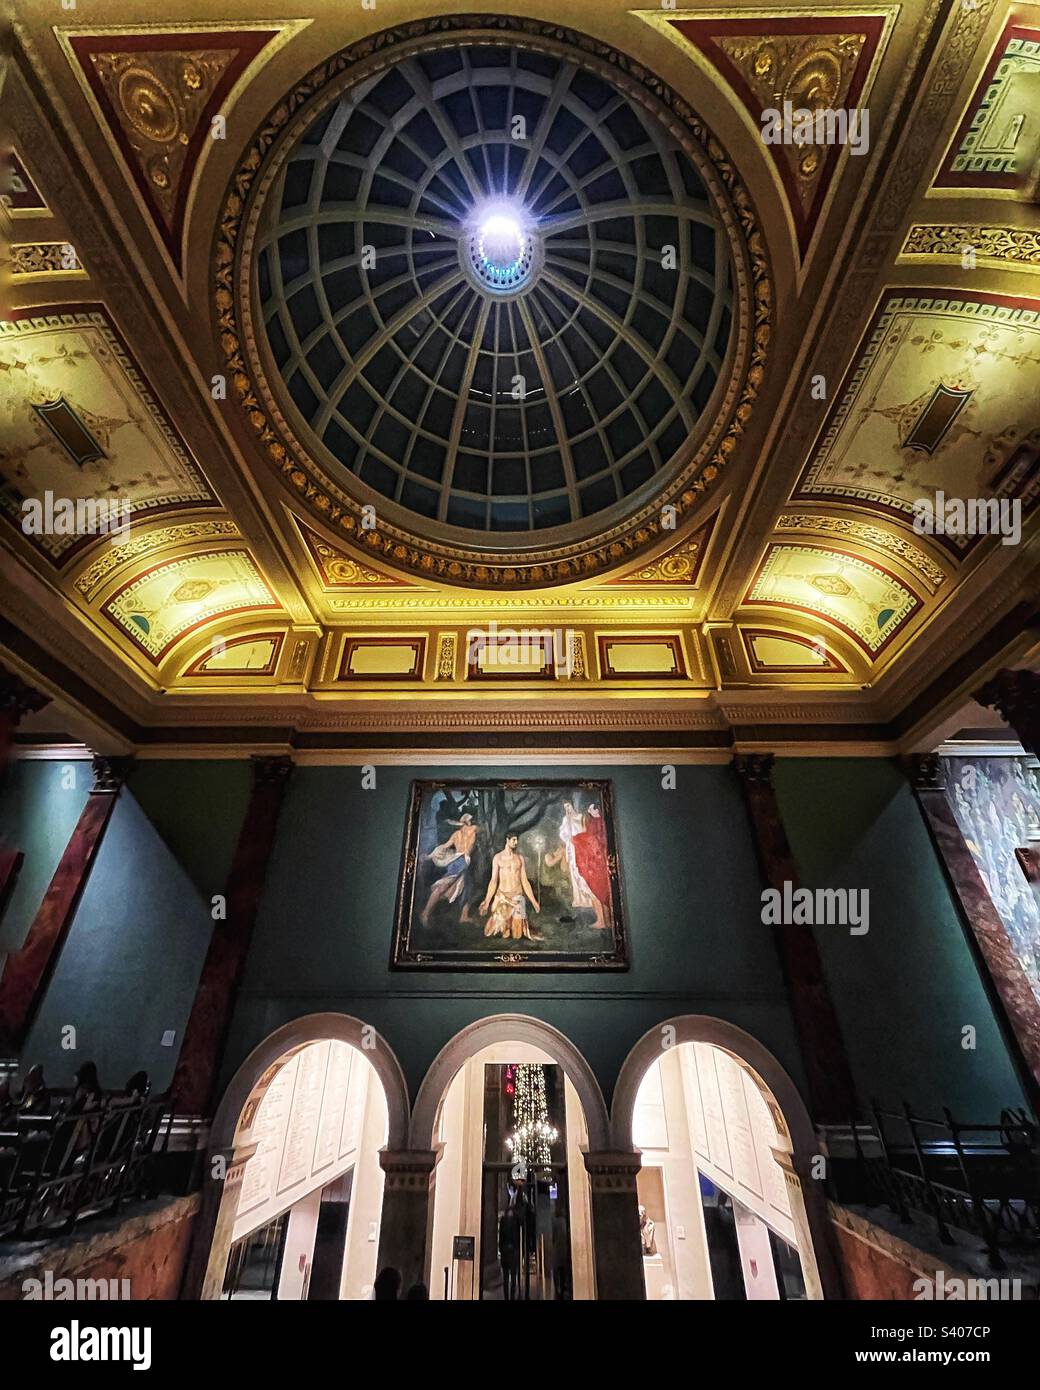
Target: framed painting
510 875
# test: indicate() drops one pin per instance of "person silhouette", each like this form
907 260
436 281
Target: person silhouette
387 1286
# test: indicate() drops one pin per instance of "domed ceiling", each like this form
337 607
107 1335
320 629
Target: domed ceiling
380 334
502 296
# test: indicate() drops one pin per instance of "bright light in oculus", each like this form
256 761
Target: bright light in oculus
502 241
500 248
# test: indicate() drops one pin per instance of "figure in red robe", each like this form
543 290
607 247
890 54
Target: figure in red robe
590 853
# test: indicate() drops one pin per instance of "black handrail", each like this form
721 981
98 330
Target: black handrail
980 1178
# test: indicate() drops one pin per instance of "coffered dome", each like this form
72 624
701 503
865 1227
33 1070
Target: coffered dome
500 293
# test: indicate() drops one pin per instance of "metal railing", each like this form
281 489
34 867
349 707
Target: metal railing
56 1168
980 1179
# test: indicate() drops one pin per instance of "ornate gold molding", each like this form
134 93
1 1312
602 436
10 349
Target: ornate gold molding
148 543
46 258
865 533
969 244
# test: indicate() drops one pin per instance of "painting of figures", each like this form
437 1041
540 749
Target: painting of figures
510 875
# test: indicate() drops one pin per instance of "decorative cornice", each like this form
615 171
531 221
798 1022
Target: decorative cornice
109 774
1016 247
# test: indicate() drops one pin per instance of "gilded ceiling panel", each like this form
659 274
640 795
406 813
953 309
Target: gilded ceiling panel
794 64
255 654
773 652
941 398
79 420
164 603
997 143
863 599
338 570
155 95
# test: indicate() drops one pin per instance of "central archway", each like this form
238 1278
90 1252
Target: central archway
500 1092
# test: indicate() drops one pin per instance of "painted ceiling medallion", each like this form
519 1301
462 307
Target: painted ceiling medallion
157 94
338 570
797 64
512 344
941 398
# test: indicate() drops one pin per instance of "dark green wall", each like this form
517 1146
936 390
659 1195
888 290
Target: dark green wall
133 953
40 803
907 988
691 894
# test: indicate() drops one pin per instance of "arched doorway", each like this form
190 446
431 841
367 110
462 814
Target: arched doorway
510 1106
296 1142
729 1202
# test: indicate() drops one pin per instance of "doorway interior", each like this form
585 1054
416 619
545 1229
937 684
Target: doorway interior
715 1219
511 1202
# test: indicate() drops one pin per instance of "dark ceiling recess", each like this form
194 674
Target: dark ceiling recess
495 288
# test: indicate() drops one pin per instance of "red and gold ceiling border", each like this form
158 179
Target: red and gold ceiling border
985 101
421 556
815 61
156 94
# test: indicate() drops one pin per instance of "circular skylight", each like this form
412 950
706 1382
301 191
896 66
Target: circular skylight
496 290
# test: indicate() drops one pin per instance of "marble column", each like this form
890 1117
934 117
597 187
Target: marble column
29 969
1010 995
406 1224
204 1037
616 1243
832 1094
16 700
1015 695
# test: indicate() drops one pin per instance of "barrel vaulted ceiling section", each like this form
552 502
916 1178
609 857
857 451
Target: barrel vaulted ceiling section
471 318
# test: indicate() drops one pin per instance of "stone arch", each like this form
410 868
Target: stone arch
509 1028
796 1146
226 1154
795 1132
279 1045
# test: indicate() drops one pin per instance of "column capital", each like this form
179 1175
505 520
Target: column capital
1015 695
18 699
408 1169
614 1171
926 771
109 774
267 770
755 767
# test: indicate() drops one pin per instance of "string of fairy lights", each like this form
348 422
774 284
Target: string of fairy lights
533 1136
